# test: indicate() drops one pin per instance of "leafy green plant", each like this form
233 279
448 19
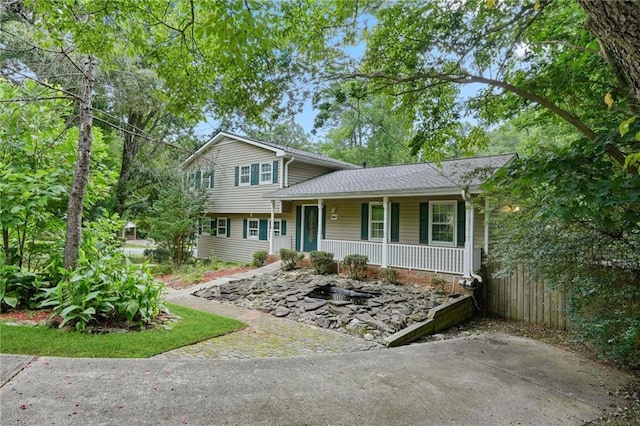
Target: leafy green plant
260 258
356 265
322 262
160 254
389 275
18 288
106 290
290 259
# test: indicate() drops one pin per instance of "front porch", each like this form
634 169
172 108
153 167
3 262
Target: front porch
387 238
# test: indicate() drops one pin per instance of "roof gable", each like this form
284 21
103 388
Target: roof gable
279 150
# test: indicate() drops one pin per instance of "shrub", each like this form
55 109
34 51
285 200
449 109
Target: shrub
260 258
356 265
105 290
290 259
159 255
389 275
18 288
322 262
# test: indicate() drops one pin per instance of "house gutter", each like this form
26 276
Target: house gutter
469 219
285 182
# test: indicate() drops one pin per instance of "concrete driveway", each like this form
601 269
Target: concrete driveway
478 380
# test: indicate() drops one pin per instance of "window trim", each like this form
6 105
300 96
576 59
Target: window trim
371 205
454 224
257 228
221 220
265 181
248 175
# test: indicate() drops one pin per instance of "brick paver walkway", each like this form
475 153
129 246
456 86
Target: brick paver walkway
265 336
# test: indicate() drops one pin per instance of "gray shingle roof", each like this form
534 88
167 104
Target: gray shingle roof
407 179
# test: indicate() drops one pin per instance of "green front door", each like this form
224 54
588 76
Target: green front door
310 229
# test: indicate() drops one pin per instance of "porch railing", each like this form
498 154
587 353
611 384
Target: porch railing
427 258
340 249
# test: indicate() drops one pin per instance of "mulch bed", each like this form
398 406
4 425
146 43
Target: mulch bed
177 283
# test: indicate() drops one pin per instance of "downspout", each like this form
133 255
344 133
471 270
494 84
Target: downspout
285 182
469 219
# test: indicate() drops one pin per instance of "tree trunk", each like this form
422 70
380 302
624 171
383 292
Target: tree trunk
616 23
81 174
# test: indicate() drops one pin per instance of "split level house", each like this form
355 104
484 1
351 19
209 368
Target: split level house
267 196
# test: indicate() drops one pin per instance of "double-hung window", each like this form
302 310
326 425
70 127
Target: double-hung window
442 226
277 227
266 175
222 227
253 229
376 221
245 175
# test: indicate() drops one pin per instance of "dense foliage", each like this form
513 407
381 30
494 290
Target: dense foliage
577 228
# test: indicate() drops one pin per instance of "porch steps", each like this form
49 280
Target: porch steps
449 314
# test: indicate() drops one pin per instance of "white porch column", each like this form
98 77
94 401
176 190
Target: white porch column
319 239
468 240
271 232
385 232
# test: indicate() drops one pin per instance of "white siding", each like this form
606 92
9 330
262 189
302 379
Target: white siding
236 248
225 197
299 172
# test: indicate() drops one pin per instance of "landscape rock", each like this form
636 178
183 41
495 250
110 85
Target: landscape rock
291 295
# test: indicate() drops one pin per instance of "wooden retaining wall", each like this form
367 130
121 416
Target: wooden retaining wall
518 298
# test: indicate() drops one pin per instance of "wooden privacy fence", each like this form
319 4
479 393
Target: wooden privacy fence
516 297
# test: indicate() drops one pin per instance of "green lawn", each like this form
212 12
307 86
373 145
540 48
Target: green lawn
194 327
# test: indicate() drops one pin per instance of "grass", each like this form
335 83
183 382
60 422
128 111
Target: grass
195 326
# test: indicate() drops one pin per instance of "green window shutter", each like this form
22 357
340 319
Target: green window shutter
198 178
364 222
298 226
462 214
262 230
255 174
228 228
211 179
395 222
237 181
275 171
283 227
244 228
185 180
424 223
214 227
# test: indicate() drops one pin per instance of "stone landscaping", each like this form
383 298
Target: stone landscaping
291 295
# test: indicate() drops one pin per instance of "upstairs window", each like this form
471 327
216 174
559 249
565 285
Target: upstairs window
266 173
245 175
